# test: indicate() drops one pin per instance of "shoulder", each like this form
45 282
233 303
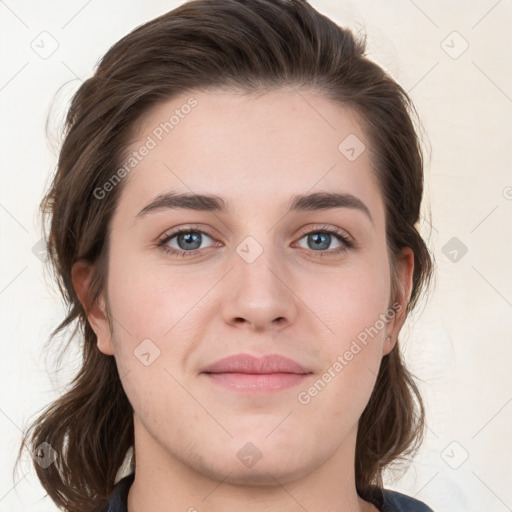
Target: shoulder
397 502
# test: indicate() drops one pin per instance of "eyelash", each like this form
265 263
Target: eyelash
344 239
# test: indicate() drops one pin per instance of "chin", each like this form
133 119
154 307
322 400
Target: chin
262 474
245 464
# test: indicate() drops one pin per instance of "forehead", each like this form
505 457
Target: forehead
257 150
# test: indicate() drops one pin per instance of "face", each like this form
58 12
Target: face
260 270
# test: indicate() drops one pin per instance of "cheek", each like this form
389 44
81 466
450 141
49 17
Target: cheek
353 299
150 300
353 306
149 311
351 348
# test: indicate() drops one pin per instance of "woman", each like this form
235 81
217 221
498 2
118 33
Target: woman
233 225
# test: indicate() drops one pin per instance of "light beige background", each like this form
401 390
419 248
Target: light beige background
459 345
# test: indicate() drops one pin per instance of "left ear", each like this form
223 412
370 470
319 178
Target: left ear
405 278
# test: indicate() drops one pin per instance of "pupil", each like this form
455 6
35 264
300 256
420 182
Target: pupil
317 243
188 238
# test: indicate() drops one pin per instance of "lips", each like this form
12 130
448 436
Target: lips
245 363
243 373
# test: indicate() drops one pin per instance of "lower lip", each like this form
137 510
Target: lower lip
251 382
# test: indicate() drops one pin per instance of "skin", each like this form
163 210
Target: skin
257 151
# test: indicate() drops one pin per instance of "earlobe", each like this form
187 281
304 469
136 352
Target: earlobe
389 344
81 275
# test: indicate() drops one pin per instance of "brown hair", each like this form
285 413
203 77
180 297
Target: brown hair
246 45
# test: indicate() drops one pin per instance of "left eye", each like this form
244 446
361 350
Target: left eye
321 239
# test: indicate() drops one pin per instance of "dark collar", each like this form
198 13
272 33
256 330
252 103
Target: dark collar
384 499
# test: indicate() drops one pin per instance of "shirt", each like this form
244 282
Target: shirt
384 499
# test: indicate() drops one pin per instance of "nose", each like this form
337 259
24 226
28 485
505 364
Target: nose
259 295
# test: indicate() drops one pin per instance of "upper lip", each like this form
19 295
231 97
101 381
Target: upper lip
245 363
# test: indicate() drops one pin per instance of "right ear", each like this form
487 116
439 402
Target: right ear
81 275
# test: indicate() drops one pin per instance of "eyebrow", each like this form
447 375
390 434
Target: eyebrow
213 203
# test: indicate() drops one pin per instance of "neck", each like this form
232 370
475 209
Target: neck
165 483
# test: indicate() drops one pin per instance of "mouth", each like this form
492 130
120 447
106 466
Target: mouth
245 373
262 382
